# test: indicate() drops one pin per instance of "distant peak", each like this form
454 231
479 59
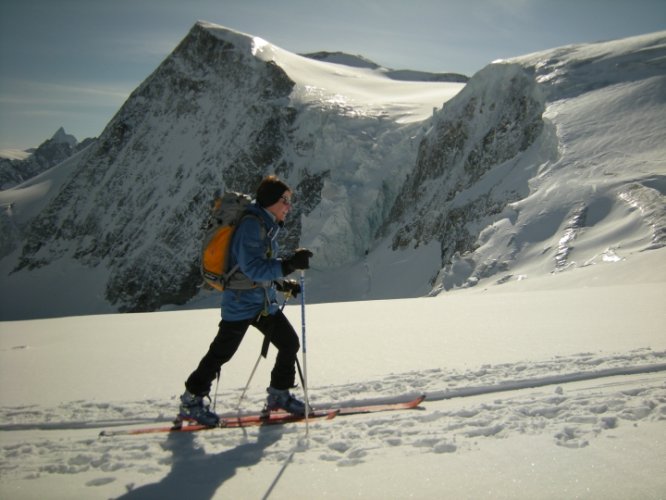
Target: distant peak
63 137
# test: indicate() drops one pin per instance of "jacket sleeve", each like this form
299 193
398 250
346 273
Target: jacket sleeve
249 247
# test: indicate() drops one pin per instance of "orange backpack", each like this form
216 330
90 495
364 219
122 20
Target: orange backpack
226 213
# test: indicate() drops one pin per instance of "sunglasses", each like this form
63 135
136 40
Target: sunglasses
286 201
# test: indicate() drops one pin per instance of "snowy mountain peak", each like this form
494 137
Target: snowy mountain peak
241 42
350 89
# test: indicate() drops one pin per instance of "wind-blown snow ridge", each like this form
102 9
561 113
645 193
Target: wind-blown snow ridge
514 385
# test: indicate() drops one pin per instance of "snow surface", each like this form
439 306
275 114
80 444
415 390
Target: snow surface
545 388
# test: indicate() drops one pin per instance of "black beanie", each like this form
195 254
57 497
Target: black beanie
270 190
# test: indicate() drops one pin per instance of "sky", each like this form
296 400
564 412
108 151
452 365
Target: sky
72 63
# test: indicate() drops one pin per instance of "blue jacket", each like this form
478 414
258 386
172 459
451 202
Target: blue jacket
254 248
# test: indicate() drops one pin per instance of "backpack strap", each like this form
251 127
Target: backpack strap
234 279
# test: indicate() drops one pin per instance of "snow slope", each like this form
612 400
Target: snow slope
545 388
553 161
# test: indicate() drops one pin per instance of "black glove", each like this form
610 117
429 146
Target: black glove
292 287
300 260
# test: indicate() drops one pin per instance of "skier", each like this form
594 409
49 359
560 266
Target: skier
250 299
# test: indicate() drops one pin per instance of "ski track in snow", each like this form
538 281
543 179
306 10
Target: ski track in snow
574 399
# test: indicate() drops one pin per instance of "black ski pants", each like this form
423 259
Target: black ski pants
226 342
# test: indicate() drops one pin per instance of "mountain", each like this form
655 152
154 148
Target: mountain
14 171
559 166
524 167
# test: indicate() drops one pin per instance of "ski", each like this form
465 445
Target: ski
379 407
279 417
370 406
180 425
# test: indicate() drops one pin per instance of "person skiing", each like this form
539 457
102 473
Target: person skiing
250 299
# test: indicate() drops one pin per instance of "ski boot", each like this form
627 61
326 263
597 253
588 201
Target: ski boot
193 408
282 399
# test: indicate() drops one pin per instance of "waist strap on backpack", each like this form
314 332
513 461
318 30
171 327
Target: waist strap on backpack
238 281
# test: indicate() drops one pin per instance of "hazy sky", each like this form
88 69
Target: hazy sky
72 63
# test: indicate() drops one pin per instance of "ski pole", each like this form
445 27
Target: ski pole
305 350
242 396
217 384
262 354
